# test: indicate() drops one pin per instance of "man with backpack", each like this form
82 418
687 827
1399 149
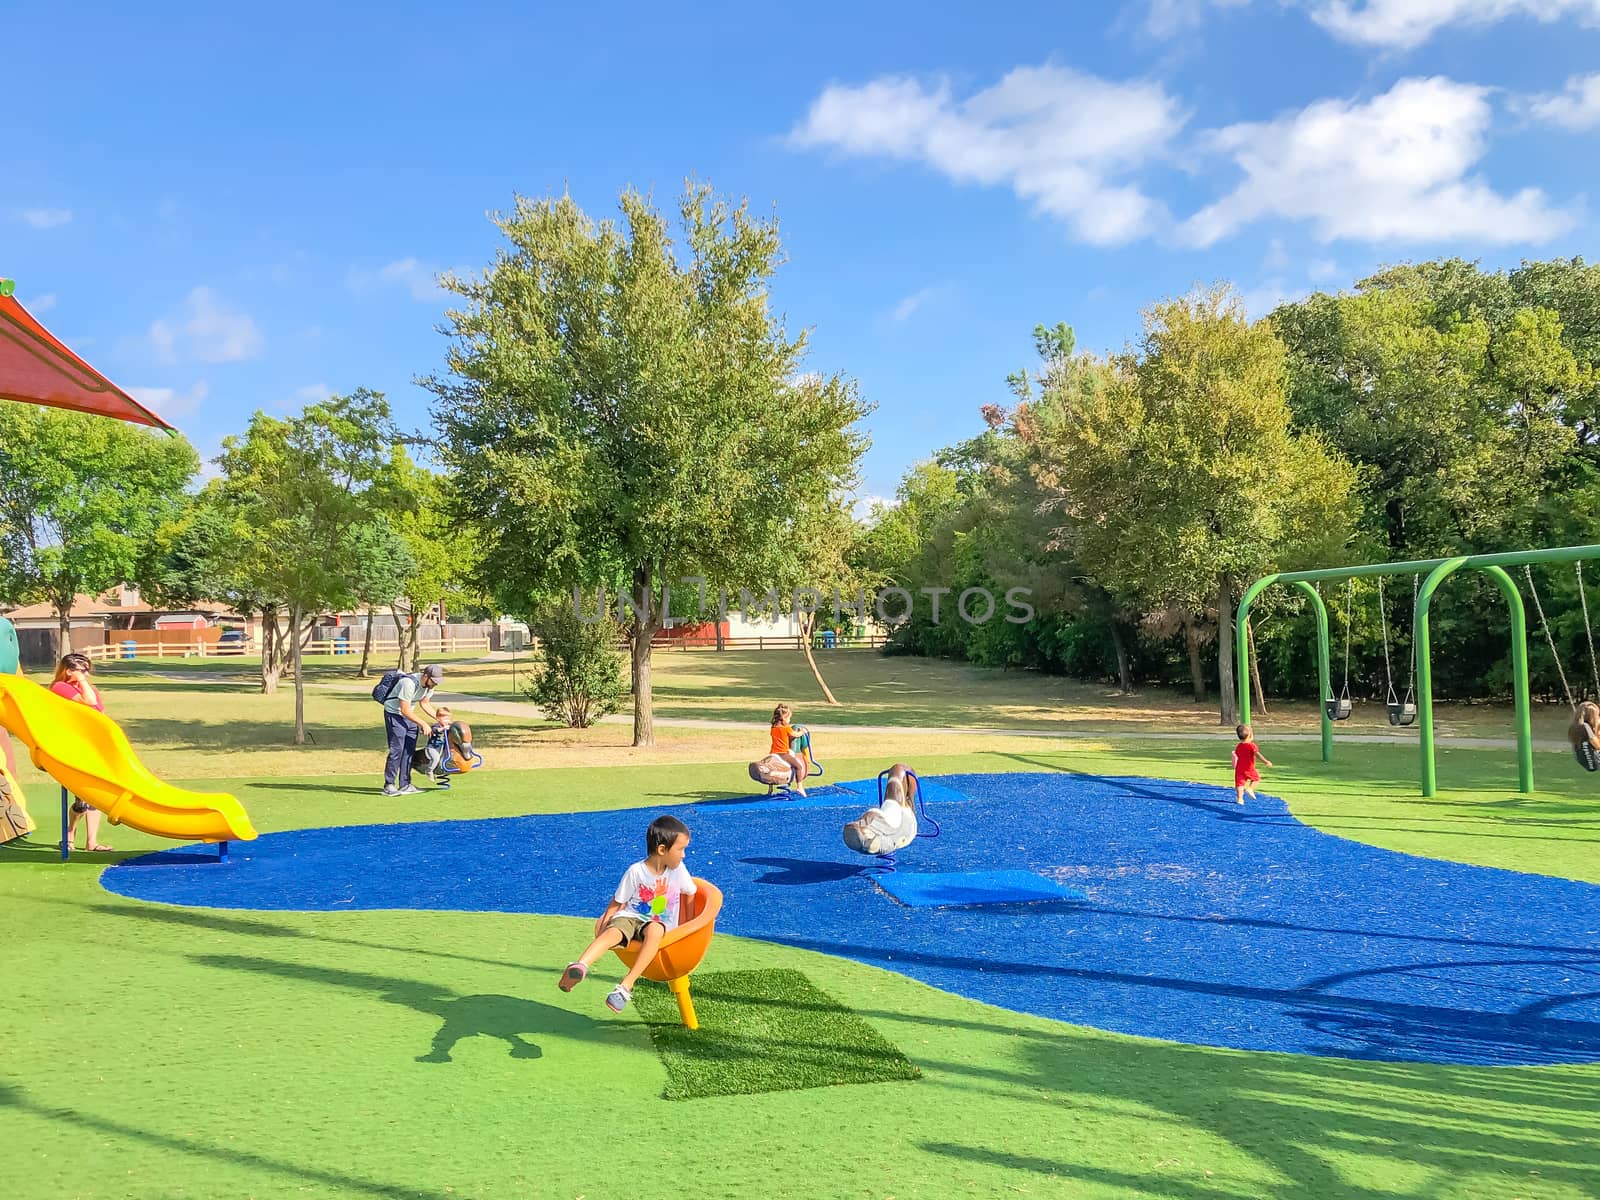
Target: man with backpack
405 708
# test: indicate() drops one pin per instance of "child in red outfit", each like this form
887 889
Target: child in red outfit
1245 756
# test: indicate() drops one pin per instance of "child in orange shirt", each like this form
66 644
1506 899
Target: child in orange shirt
782 737
1245 756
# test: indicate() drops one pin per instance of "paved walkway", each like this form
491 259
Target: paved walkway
513 708
519 708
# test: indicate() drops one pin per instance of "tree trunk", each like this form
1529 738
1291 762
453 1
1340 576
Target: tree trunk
1124 667
366 647
644 628
299 678
1229 706
720 645
271 635
64 624
399 637
413 645
1255 668
1197 672
808 624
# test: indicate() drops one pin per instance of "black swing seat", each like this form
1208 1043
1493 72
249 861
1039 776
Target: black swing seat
1588 757
1402 714
1340 709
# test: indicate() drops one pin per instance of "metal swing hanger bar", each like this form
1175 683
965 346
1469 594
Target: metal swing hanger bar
1421 566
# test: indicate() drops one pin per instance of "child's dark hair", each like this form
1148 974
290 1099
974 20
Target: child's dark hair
1241 731
663 831
781 714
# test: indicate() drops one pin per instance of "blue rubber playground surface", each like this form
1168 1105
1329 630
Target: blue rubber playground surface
1201 922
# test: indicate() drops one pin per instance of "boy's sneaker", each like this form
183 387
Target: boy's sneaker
572 976
410 789
618 999
390 790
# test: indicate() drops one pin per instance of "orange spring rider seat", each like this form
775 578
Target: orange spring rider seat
682 949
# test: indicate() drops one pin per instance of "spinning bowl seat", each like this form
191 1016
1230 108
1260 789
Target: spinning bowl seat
682 949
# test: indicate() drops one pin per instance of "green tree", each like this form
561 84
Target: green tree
383 564
80 499
1183 480
581 677
303 488
620 405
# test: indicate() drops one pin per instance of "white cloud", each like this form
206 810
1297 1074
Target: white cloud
1171 18
1406 24
1260 301
408 273
862 506
169 402
918 300
206 330
1577 107
46 218
312 393
1058 138
41 304
1277 255
1392 169
1322 269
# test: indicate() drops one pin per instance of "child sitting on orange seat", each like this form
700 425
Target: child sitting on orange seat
644 908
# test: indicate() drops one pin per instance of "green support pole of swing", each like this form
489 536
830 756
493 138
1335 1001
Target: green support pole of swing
1519 670
1437 570
1241 644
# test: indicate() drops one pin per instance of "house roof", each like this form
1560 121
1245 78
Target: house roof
98 606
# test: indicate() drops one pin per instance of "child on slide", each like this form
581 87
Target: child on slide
643 910
1245 756
782 741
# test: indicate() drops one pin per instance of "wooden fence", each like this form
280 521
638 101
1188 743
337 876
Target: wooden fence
709 642
449 645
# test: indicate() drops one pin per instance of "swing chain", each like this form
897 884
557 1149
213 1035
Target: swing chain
1571 703
1349 601
1383 624
1588 631
1411 679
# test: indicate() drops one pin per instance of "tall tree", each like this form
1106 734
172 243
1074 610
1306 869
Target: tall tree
1183 480
617 402
80 498
304 488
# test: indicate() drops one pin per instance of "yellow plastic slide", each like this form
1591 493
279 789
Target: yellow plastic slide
88 754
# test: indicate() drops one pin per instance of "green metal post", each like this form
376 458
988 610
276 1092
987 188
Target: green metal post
1519 675
1241 645
1324 668
1419 621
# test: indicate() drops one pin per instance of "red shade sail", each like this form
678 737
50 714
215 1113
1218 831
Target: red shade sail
36 368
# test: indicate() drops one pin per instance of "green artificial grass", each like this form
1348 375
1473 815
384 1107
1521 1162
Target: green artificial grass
163 1053
764 1031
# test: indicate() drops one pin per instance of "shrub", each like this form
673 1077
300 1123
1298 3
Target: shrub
582 679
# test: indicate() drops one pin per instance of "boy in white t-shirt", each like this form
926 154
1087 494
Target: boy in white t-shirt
645 907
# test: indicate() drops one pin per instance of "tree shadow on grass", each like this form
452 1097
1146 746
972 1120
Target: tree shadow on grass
215 922
14 1099
507 1018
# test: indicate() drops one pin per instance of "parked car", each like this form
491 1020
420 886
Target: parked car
232 641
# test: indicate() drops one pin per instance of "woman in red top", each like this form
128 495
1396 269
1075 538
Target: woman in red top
72 683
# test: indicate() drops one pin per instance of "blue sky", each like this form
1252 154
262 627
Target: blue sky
228 212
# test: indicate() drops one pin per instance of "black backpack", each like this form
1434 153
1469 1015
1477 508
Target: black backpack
385 687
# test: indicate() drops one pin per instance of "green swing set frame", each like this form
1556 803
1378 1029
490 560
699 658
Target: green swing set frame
1435 572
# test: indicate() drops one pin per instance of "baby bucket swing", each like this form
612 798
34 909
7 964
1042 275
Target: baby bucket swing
1401 712
1340 707
1583 750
